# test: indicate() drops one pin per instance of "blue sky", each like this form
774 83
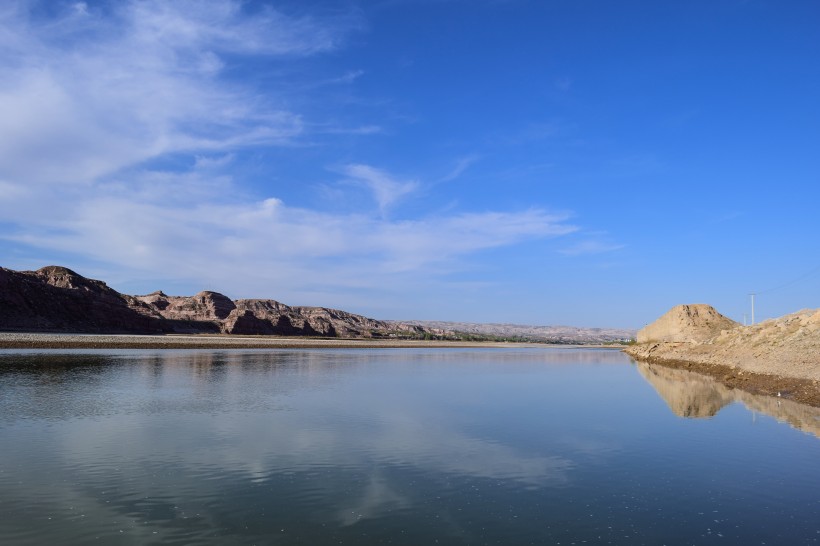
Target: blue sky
543 162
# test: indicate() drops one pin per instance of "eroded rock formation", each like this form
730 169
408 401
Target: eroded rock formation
57 299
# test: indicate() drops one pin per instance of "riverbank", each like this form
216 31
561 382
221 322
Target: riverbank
779 357
803 390
14 340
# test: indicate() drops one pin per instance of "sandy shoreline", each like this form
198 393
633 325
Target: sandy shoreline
779 357
805 390
14 340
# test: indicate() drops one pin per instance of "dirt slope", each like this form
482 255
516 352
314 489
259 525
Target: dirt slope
779 356
687 323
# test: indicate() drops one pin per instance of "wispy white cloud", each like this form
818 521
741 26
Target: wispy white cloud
150 229
342 130
461 165
197 25
203 162
386 189
87 93
591 247
348 77
91 102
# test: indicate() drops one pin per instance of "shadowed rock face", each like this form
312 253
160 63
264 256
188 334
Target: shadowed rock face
687 324
57 299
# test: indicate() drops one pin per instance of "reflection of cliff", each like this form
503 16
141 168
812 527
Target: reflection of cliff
690 394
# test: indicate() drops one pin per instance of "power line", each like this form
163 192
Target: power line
796 280
793 281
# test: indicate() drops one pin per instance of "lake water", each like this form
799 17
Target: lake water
448 446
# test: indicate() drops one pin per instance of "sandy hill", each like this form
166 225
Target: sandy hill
687 323
788 346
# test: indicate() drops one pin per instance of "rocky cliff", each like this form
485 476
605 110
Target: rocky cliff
57 299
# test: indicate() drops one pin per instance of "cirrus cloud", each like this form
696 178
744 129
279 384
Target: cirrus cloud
96 96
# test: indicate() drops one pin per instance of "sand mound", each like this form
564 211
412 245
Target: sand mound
788 346
687 324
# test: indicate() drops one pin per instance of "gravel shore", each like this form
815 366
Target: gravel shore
785 373
803 390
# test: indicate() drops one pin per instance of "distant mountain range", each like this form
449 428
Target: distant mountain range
552 334
56 299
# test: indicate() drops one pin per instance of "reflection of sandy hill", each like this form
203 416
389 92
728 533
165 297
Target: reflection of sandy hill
797 415
690 394
686 393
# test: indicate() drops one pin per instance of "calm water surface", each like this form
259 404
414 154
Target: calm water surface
525 446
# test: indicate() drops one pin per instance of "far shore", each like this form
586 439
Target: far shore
802 390
18 340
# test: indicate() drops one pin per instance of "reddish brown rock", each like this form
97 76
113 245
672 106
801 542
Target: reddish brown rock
57 299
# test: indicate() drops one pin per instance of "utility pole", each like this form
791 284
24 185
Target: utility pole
753 307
